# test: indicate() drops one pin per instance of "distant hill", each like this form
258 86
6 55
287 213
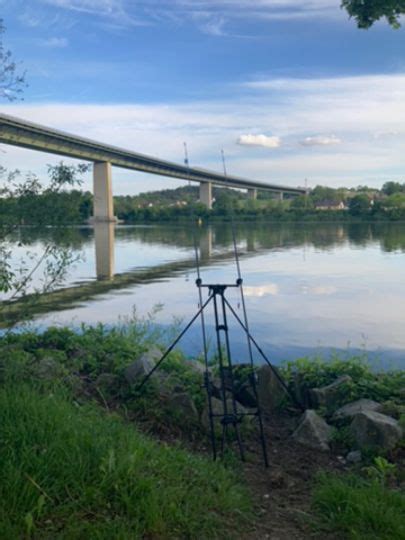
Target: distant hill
177 196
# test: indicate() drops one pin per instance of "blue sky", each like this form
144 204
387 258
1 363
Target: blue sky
290 89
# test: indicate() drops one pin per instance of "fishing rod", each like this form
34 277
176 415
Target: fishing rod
207 381
231 414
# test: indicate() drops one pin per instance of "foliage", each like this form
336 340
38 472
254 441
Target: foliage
367 12
181 204
359 509
70 471
359 205
11 81
28 201
78 360
381 470
366 383
389 188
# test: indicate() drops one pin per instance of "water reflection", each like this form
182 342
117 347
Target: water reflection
308 286
388 237
205 243
104 239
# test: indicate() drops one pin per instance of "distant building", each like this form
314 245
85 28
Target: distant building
330 205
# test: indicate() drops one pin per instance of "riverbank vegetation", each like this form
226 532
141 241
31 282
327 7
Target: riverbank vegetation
74 460
322 204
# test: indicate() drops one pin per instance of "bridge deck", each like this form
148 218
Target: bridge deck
18 132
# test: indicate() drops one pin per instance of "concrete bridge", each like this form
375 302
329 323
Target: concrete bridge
18 132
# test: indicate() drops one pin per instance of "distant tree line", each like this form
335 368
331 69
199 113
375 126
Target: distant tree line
50 207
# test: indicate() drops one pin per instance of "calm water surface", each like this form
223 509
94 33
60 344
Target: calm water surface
309 288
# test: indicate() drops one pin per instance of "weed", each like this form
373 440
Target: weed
73 472
358 509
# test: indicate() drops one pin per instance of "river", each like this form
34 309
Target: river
310 289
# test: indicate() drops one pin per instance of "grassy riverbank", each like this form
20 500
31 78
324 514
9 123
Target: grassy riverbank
75 460
72 471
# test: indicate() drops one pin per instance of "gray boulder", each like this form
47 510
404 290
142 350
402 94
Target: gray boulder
329 396
351 409
142 365
354 456
301 390
373 430
313 431
270 391
183 406
49 369
196 367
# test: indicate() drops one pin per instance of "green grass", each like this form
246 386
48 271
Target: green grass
74 472
359 509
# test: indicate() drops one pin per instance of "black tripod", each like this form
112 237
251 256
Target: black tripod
229 416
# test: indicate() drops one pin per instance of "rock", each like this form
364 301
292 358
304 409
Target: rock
270 391
354 456
246 396
301 390
49 369
196 366
373 430
329 396
183 406
313 431
351 409
142 365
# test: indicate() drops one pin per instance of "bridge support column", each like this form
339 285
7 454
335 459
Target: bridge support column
102 191
281 196
252 193
104 238
206 194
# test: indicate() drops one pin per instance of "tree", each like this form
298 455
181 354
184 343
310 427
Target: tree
389 188
28 201
359 205
11 82
367 12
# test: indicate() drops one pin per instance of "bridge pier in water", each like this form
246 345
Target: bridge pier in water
206 194
252 193
103 210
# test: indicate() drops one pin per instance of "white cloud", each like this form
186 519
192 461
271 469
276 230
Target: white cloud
320 140
354 107
267 9
210 16
55 42
264 290
105 7
117 12
259 140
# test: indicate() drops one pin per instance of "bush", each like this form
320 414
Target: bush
366 383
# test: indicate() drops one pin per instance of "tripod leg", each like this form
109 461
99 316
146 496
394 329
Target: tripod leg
230 367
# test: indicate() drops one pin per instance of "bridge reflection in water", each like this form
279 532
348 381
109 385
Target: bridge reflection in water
104 242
